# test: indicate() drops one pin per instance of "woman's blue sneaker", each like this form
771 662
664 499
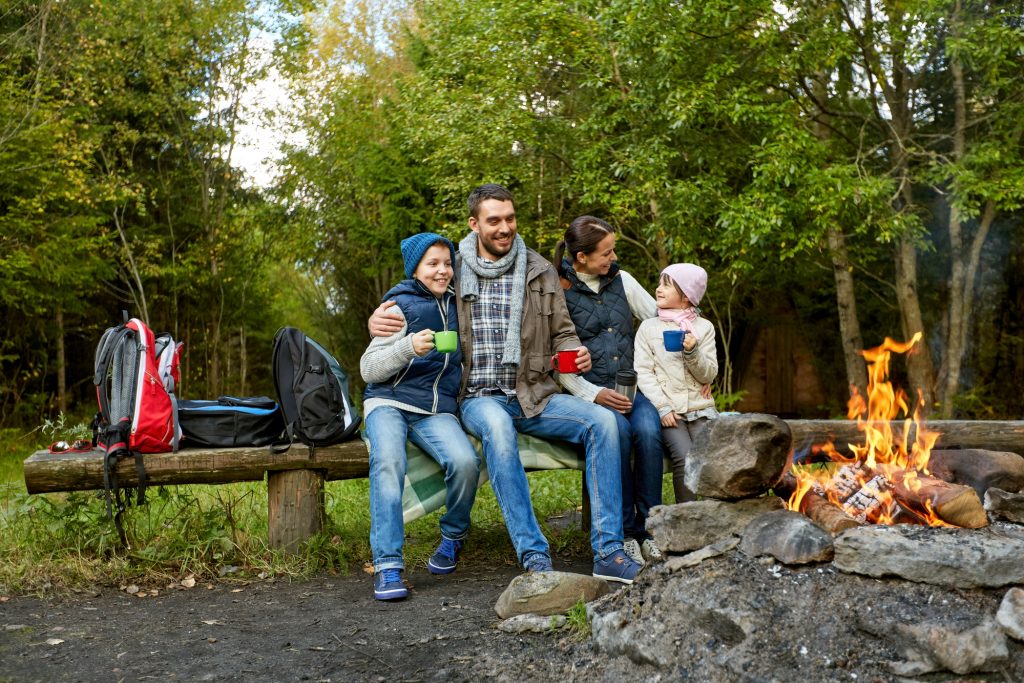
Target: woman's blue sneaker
387 585
617 567
444 558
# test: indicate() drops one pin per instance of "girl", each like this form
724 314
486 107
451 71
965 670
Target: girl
603 300
411 394
677 382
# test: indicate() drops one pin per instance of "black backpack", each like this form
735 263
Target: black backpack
312 390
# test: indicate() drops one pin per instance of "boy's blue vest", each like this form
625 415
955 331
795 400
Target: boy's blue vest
603 322
431 382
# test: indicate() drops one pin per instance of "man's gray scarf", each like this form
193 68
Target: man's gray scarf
473 268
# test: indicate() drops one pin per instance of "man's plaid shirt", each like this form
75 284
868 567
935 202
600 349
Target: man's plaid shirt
490 313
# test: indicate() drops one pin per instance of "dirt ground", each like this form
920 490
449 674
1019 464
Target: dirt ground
810 624
326 629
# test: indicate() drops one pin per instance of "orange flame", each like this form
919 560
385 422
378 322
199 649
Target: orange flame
862 485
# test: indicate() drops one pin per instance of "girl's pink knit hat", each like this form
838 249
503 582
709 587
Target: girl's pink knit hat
691 279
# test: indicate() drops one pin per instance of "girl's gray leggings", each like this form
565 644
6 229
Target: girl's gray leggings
678 441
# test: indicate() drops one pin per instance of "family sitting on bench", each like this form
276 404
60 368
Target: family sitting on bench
507 305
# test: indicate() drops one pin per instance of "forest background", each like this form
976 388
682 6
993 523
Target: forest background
858 162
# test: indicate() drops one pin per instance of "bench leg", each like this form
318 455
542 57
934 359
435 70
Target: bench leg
295 507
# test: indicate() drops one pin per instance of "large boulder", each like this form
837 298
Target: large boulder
787 536
683 527
547 593
739 456
979 469
958 558
1005 505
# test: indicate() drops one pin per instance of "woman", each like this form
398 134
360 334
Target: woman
603 300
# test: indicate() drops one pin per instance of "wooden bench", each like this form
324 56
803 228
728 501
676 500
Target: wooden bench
295 478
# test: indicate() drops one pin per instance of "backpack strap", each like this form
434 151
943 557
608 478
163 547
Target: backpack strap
140 471
116 440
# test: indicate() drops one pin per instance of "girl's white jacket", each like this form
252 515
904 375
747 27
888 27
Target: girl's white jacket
672 380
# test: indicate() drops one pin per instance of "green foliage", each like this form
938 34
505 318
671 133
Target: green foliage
578 621
725 402
60 428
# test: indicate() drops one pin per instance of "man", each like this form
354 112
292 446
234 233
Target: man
512 319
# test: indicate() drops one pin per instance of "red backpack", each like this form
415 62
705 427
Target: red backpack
136 376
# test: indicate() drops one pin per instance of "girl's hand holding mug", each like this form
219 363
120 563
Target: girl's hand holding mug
423 342
689 342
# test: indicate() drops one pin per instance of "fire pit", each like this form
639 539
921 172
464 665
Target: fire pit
886 480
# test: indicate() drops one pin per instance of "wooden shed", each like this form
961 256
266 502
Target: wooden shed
775 366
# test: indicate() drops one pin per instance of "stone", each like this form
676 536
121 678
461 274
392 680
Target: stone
720 547
547 593
936 647
652 641
683 527
979 469
1011 613
960 558
739 456
643 641
1005 505
788 536
532 623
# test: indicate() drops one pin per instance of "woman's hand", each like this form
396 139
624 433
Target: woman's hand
423 342
613 400
583 359
669 420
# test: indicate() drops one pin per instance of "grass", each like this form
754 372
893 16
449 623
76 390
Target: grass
578 622
65 541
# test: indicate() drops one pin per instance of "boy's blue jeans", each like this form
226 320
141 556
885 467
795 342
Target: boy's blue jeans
441 437
495 420
642 464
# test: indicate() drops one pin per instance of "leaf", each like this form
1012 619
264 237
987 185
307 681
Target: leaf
54 641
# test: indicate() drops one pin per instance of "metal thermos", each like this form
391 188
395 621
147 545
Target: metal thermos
625 383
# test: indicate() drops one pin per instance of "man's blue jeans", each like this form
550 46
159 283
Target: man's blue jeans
441 437
495 420
642 464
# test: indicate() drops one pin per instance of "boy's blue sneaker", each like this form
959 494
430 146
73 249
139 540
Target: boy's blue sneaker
617 567
444 558
387 585
538 562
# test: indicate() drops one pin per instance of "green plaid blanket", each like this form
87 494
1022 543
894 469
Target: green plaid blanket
424 479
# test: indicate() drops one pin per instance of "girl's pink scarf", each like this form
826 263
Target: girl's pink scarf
683 317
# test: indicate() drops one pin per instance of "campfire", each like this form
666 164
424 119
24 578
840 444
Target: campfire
886 479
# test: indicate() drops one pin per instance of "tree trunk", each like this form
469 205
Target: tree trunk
62 386
842 271
242 361
659 247
920 369
849 324
963 263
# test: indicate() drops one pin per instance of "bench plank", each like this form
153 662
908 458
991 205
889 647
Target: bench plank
47 472
52 472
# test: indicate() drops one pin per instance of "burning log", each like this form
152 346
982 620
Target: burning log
952 503
817 507
826 515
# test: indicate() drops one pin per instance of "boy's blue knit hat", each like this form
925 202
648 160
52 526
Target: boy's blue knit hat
414 247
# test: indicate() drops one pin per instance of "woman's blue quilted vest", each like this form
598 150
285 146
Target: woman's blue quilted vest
603 322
